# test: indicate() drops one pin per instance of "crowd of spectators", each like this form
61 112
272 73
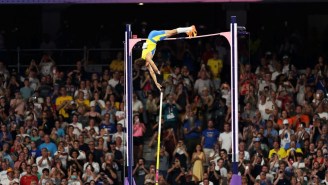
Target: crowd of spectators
61 126
282 120
66 126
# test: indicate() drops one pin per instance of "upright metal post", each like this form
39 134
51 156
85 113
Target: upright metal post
128 103
18 60
85 54
236 180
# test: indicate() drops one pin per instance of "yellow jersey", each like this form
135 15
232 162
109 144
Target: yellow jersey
153 38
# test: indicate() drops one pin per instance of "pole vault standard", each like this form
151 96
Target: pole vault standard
236 179
128 46
128 90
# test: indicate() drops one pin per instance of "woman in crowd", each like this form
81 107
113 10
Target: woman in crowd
92 162
93 114
139 130
102 144
180 152
174 172
197 162
61 155
88 174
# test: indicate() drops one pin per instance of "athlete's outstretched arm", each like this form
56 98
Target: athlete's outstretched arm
153 75
149 61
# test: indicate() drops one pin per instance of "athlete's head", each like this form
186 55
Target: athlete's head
140 62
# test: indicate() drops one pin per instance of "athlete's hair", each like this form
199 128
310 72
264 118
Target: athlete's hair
140 62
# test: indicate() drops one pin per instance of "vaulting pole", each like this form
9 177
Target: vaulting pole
159 135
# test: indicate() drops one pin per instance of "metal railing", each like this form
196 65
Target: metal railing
95 58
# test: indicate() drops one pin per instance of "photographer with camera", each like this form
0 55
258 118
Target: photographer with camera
281 177
175 172
140 171
108 172
285 134
102 178
150 177
89 173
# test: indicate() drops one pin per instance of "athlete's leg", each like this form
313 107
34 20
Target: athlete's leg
170 33
190 31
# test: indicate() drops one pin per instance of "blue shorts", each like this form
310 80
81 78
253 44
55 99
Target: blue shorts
157 35
153 37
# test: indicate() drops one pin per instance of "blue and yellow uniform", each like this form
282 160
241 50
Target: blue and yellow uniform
153 38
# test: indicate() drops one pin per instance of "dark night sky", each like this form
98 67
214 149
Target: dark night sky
263 19
86 19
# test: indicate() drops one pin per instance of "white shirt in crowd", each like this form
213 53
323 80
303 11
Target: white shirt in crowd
226 140
44 164
95 166
266 105
77 128
209 183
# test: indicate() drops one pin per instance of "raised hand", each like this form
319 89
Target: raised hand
159 86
